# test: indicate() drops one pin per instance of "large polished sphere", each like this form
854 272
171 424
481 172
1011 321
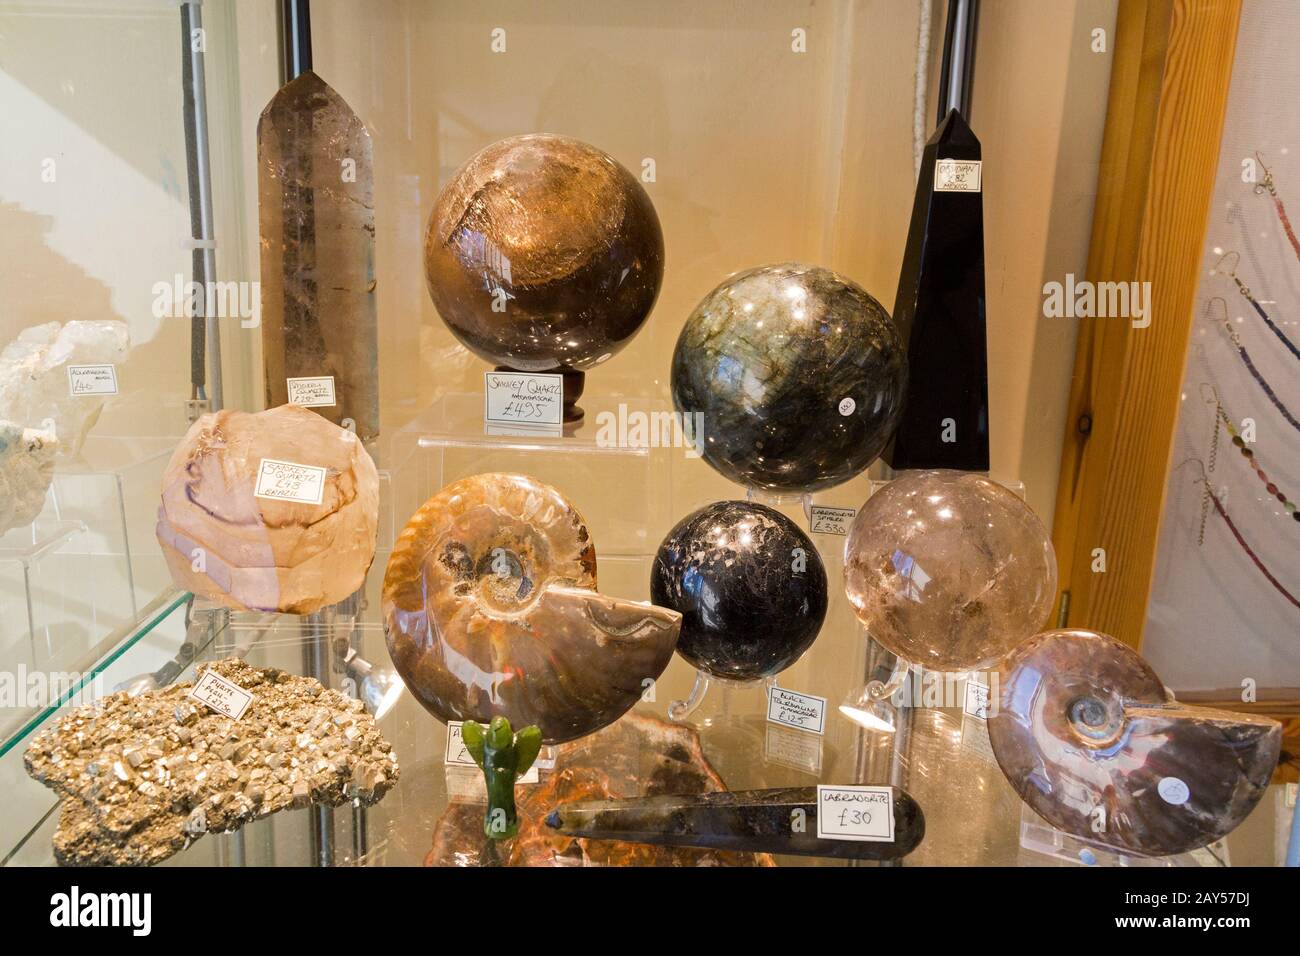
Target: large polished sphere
749 585
949 569
543 254
799 374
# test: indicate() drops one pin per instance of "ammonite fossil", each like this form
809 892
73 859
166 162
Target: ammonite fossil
273 511
1095 743
750 586
491 608
543 254
799 374
949 569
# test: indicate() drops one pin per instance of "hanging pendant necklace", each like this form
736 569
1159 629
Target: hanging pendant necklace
1267 186
1247 453
1259 309
1254 372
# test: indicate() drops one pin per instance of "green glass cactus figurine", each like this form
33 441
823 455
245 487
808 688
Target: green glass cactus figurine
503 756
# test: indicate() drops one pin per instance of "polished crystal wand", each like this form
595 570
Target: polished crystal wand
317 224
761 821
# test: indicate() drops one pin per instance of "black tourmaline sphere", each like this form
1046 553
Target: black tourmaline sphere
749 585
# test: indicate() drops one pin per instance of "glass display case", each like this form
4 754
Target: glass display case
779 434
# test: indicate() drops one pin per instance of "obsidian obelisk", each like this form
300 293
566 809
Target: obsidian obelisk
939 310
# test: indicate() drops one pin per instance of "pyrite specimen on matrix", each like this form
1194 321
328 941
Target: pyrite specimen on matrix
143 777
226 544
26 470
316 217
34 385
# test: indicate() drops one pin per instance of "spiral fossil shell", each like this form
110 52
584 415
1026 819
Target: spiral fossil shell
490 607
1095 743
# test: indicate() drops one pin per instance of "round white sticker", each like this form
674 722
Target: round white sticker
1172 790
847 405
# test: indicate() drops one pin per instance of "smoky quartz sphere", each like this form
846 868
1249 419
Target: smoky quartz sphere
799 375
543 254
949 569
750 587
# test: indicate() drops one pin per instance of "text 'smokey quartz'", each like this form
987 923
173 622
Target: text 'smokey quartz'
855 813
221 695
519 398
290 481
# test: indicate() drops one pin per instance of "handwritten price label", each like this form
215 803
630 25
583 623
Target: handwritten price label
865 814
801 711
824 520
515 398
221 695
312 392
957 176
92 380
289 481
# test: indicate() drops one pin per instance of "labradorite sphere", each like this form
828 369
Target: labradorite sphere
799 373
543 254
750 587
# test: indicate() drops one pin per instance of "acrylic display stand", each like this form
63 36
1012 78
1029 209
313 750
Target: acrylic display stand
24 581
1038 836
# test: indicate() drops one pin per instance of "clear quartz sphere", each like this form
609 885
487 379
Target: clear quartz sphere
949 569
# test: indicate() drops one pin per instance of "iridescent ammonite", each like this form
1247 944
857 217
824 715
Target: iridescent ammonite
491 607
1096 745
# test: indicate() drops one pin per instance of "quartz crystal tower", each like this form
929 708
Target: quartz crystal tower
317 224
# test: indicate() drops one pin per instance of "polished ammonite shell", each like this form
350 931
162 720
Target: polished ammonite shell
490 606
1095 743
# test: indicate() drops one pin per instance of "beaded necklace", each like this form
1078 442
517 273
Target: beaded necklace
1254 372
1259 309
1248 453
1267 186
1218 506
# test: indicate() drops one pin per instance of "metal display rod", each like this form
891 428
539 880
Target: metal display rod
958 74
205 343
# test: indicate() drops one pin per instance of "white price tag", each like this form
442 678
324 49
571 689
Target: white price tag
521 398
824 520
1291 793
289 481
957 176
977 700
800 711
458 754
312 392
1173 791
92 380
221 695
865 814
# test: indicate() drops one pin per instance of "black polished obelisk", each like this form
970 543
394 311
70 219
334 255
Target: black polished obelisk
939 311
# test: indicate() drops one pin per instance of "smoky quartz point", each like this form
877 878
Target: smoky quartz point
317 224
